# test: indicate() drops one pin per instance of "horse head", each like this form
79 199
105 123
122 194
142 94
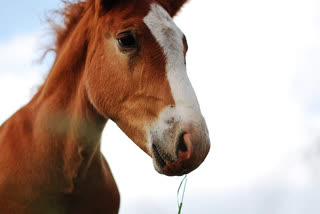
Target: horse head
136 76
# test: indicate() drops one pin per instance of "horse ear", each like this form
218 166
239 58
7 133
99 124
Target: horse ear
172 6
104 5
107 4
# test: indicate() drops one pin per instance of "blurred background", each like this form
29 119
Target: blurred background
255 66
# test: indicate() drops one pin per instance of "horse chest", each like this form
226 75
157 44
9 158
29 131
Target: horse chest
96 192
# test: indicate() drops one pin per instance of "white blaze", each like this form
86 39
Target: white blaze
172 121
170 38
168 126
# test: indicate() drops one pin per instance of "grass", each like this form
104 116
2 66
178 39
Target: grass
180 202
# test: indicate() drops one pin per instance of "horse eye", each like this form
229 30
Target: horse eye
127 40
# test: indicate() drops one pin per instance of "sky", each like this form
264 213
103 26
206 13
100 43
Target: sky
255 68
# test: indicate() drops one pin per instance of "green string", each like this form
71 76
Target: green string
180 203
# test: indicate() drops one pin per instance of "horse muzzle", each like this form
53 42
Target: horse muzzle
186 150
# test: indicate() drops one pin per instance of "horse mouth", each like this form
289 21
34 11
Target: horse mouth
158 156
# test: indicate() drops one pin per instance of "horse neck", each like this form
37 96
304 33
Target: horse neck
65 116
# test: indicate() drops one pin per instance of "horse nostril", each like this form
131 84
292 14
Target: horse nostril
181 144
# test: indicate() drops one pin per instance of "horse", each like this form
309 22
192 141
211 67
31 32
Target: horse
119 60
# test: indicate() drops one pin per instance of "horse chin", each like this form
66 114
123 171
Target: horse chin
164 168
167 167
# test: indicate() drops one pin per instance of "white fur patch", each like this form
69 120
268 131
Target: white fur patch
170 38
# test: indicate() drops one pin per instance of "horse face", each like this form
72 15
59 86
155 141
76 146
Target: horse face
136 76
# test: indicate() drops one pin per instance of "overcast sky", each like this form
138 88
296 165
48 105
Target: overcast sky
256 70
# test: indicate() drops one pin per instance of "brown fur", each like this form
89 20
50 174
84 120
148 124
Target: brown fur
50 149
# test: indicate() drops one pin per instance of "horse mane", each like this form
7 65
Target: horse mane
60 25
69 16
